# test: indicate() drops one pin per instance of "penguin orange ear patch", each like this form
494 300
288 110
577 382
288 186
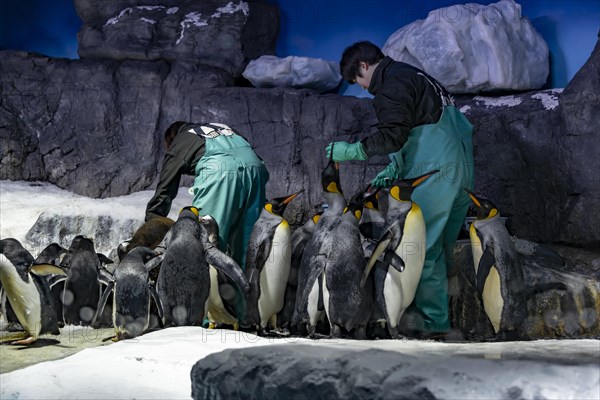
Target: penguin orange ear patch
395 192
269 207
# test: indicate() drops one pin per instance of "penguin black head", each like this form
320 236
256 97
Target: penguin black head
330 177
485 208
14 251
371 198
189 212
211 227
278 205
404 189
355 205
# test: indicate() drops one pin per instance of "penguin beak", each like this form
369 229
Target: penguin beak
419 179
473 198
292 196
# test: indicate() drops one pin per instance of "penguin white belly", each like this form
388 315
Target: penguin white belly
274 274
24 297
493 303
312 307
217 313
326 296
400 287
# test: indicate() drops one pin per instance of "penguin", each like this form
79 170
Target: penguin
81 289
347 303
309 308
402 250
371 226
299 240
27 290
498 270
183 284
132 293
221 301
52 254
268 261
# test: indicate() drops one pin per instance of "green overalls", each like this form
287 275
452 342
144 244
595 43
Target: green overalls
230 186
447 146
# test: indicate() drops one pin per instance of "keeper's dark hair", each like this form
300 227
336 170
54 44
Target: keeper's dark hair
353 55
172 131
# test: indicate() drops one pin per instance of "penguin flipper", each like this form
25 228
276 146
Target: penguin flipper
320 302
157 301
105 277
529 248
317 266
102 303
485 264
154 262
227 265
103 259
391 258
380 249
47 269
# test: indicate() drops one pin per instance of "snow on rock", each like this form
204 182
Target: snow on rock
501 101
472 48
294 72
47 214
549 98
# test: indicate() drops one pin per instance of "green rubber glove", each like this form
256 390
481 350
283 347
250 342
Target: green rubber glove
344 151
389 174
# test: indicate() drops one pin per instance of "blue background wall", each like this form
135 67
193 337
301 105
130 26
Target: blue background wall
323 28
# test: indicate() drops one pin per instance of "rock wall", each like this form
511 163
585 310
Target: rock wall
219 33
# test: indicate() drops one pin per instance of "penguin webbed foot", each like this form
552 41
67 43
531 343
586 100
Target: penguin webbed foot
24 342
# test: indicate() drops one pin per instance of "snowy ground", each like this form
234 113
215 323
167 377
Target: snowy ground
157 365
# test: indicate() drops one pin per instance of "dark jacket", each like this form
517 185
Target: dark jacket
404 97
181 158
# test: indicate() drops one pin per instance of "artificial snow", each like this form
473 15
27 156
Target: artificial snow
157 366
501 101
549 98
472 48
22 203
294 72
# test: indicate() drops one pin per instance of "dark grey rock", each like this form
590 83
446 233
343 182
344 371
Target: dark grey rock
389 370
219 33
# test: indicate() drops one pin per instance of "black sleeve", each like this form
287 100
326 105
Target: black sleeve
168 185
395 109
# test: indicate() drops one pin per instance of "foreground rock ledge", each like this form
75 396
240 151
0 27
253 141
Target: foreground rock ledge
336 372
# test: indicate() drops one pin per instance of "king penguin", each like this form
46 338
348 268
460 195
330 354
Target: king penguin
309 308
300 238
81 289
268 261
396 279
27 290
132 293
222 298
184 279
498 270
347 303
